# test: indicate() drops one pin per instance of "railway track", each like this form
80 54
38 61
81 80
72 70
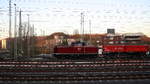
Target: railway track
74 78
139 81
75 71
77 62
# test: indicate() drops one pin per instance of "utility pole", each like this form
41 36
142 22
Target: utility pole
32 41
82 27
33 31
28 36
15 35
20 32
9 18
90 30
10 42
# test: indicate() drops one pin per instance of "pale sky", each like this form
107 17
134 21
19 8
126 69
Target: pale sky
64 15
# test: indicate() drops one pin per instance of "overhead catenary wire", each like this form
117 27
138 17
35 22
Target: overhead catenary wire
95 13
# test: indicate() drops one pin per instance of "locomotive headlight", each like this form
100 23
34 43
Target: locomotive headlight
147 53
100 51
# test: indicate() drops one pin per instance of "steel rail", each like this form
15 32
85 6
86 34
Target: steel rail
81 70
80 62
71 65
65 78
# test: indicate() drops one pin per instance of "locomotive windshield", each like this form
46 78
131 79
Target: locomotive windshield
78 43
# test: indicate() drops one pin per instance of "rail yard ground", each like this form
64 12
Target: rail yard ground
76 72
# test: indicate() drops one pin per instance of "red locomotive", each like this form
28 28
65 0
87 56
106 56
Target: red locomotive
125 50
124 45
77 50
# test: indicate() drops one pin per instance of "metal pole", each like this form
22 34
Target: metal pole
10 42
82 27
90 30
28 35
20 25
9 18
15 35
33 40
20 33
